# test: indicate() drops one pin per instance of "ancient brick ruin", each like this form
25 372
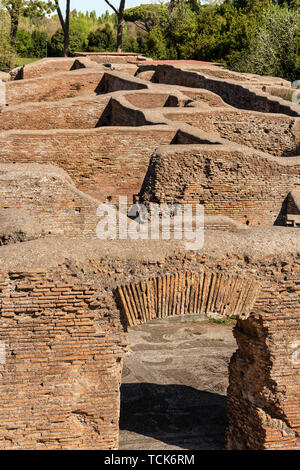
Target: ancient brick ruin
75 132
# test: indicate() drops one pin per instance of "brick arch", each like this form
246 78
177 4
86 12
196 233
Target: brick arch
203 292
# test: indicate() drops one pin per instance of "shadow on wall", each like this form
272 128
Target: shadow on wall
281 218
177 415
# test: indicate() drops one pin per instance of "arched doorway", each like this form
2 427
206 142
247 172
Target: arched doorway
173 394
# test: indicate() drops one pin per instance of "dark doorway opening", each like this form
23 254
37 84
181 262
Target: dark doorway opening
173 393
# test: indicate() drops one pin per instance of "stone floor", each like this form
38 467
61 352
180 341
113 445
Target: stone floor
173 393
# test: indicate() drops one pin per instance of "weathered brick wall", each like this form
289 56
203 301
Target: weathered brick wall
102 162
54 87
122 115
65 344
148 100
77 113
277 135
48 194
115 81
203 96
232 93
264 392
60 383
46 66
110 58
246 186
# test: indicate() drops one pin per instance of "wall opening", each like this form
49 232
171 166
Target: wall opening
174 385
173 393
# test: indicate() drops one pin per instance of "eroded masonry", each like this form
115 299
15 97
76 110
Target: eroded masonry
75 133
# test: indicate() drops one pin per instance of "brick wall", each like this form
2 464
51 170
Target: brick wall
49 195
60 384
274 134
76 113
65 344
248 187
47 66
234 94
53 87
264 391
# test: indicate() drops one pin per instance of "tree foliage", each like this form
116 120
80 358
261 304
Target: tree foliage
256 36
57 43
5 47
275 48
147 17
102 39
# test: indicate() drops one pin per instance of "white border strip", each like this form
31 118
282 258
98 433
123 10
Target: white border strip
2 93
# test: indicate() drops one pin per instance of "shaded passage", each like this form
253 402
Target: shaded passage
176 415
174 387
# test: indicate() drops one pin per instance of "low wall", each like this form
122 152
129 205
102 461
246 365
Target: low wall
234 94
275 134
116 81
44 67
77 113
107 161
215 176
48 194
54 87
111 58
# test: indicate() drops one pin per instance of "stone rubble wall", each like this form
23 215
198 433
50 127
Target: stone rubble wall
102 162
49 195
239 95
271 133
215 176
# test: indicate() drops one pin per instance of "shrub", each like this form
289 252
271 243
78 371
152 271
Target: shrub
275 47
24 44
39 39
101 40
56 45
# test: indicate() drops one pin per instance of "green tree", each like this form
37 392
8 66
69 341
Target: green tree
101 40
24 44
5 46
30 8
120 23
275 47
181 30
57 43
154 45
147 17
65 25
130 44
39 40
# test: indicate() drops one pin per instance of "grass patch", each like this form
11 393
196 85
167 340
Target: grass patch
25 60
223 321
285 96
